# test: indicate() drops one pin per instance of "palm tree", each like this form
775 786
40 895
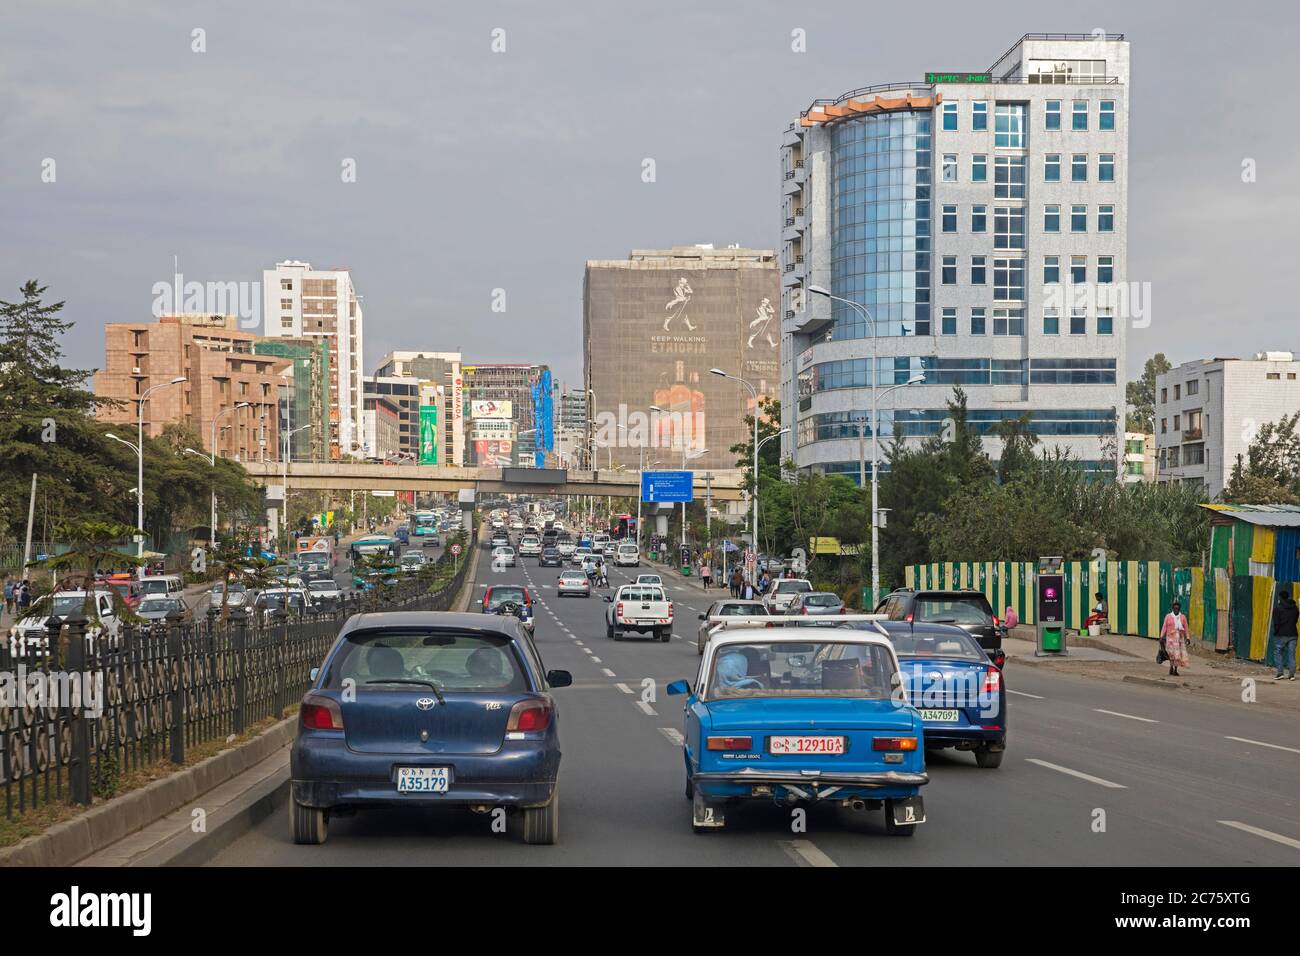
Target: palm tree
92 544
229 564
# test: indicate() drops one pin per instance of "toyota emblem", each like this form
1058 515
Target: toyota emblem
425 703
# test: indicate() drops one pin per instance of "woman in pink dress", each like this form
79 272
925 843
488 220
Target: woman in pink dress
1174 634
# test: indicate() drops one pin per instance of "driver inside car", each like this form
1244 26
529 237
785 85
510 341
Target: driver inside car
733 669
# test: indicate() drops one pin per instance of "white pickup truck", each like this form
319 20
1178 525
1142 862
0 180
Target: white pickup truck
30 636
642 608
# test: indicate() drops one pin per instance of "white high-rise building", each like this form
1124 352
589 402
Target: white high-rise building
977 224
302 302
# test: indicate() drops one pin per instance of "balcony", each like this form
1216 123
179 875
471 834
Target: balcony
1192 434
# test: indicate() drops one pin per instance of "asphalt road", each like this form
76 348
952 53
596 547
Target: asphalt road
1095 774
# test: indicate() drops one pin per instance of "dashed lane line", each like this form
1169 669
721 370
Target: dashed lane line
647 709
608 672
805 853
1259 832
673 734
624 688
1077 773
1021 693
1260 743
1116 713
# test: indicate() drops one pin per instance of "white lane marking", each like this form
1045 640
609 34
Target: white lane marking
805 853
595 659
647 709
608 672
1266 834
1260 743
1116 713
587 650
579 643
673 734
1021 693
1077 773
624 688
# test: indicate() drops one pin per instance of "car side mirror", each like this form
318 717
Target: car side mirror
703 617
315 672
559 678
678 687
609 598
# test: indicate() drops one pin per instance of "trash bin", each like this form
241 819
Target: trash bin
686 570
1052 638
1094 630
654 555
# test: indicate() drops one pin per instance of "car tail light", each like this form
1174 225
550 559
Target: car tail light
803 610
844 609
992 680
908 618
730 743
618 609
529 715
670 608
995 620
893 743
320 713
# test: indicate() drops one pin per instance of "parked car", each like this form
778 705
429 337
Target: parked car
29 635
572 582
643 609
512 600
816 602
968 609
956 689
784 590
391 682
805 715
735 607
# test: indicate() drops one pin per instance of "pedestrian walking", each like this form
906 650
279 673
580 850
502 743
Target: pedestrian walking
9 595
1285 615
706 572
1173 639
737 581
23 597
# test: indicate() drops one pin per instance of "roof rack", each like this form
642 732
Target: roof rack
789 620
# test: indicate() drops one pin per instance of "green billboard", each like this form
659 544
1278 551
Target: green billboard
428 434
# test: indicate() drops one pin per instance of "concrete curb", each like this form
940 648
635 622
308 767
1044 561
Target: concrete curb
69 841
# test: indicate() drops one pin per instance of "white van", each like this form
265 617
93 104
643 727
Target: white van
627 556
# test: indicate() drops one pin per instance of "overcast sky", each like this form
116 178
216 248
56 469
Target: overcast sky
478 170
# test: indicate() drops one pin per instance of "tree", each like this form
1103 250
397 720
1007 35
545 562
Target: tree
1141 395
92 545
1017 446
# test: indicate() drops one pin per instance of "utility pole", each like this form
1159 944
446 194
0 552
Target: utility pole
31 516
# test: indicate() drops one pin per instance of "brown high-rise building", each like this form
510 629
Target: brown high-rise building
221 369
654 324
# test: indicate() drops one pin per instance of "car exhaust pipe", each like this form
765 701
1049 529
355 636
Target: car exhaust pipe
857 805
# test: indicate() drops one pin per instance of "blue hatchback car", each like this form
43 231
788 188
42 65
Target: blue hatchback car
801 714
429 709
956 689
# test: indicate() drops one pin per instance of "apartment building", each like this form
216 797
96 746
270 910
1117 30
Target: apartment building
968 229
443 371
302 302
1208 412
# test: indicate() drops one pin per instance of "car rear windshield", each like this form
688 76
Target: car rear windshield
742 610
641 594
396 659
801 669
953 609
499 595
954 646
822 600
322 585
792 587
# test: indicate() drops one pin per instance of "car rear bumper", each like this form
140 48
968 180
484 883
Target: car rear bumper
955 736
716 785
325 774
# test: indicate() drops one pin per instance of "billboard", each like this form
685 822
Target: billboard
543 419
428 434
487 408
494 453
492 429
652 334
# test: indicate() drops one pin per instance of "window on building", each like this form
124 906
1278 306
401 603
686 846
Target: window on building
1164 426
1106 115
1105 322
1078 269
286 285
1177 418
1078 322
1052 218
1051 269
950 218
977 321
286 305
1106 168
948 322
949 167
1173 452
979 169
1078 218
1105 218
977 270
1009 126
1193 387
1105 269
1008 227
1051 322
1009 177
1009 280
1008 321
1178 393
979 115
950 116
1079 168
1164 395
1052 168
1079 115
949 270
1053 114
1270 376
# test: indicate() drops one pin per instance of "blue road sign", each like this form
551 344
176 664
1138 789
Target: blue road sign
667 486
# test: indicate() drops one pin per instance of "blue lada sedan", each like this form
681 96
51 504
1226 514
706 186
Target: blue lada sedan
801 714
429 709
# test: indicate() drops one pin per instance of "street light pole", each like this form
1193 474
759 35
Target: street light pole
754 394
139 473
212 461
284 490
